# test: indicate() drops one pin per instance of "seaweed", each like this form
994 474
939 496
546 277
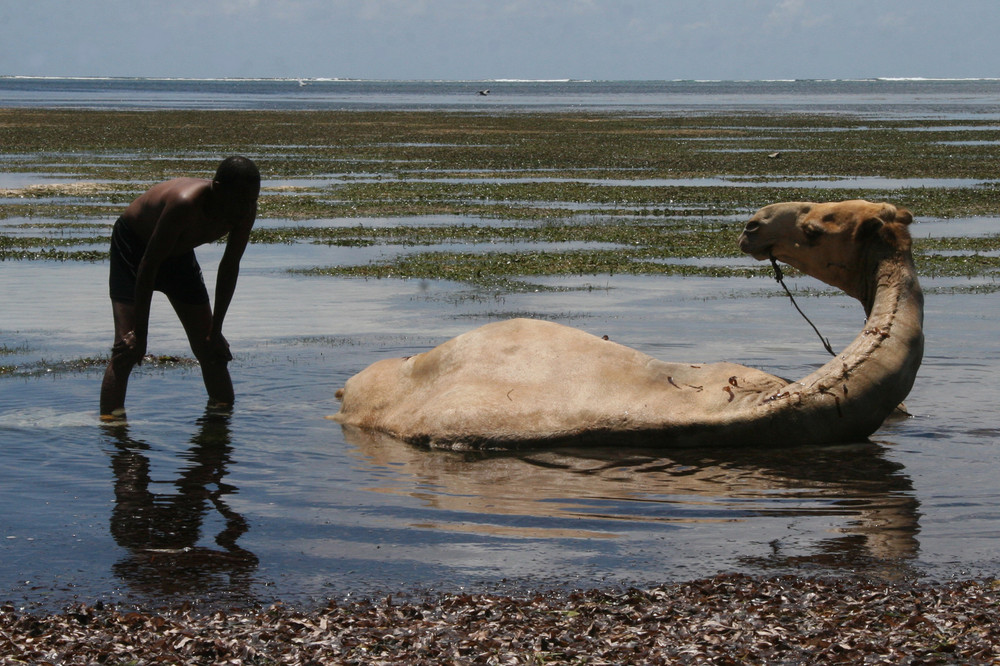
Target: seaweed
581 177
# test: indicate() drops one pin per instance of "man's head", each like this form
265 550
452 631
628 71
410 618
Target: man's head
238 176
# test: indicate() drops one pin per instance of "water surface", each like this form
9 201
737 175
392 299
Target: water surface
900 98
276 502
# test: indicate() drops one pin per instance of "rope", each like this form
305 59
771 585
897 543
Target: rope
780 277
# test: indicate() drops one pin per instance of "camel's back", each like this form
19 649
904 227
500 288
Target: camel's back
526 380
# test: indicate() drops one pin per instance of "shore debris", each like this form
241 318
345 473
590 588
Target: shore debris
727 619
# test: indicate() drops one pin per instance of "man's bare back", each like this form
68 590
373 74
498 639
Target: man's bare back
184 203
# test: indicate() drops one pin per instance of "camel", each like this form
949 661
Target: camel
527 383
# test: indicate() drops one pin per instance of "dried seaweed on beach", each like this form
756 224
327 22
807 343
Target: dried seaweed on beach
728 619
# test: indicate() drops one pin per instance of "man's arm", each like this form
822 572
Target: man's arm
225 282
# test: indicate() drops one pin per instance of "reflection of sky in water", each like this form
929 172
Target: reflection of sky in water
950 128
969 143
966 227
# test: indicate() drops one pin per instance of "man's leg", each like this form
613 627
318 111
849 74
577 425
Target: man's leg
197 321
116 375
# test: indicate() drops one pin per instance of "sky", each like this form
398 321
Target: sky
502 39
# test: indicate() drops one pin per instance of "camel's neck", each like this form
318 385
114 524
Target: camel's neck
894 309
865 382
886 280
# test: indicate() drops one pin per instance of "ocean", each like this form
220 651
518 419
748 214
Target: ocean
917 98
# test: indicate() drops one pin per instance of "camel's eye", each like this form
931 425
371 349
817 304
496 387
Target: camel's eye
812 232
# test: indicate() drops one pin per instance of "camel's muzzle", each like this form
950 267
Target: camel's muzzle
751 244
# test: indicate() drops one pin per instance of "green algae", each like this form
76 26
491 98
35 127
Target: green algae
159 144
965 265
579 177
50 248
45 367
62 227
143 147
960 243
7 350
688 240
51 254
12 242
498 270
964 289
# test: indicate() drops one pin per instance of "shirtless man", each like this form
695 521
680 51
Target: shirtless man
152 248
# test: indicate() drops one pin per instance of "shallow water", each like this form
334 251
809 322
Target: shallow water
276 502
914 98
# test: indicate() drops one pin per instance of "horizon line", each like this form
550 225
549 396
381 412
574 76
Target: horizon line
323 79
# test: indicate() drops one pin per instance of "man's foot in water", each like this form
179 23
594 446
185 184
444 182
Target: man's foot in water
116 416
219 407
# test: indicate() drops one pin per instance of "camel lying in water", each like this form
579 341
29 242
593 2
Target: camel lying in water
525 382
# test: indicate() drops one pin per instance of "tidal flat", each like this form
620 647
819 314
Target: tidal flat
385 233
635 181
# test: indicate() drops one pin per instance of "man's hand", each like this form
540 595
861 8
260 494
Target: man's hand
219 347
131 347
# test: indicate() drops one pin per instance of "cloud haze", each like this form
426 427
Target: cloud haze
482 39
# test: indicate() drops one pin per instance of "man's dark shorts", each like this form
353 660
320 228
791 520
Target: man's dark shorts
179 277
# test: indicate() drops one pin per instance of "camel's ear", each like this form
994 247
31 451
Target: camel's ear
883 227
890 213
887 213
868 229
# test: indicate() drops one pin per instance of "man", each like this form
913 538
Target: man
152 248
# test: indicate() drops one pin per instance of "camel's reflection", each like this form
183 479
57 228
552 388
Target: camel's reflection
162 530
872 510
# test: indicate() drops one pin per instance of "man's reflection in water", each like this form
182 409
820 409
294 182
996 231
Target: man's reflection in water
162 530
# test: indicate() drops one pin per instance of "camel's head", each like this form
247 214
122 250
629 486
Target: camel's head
830 241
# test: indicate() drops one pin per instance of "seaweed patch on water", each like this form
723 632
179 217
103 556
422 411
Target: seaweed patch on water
62 226
55 190
51 247
643 249
52 254
965 289
10 242
635 180
680 238
44 367
378 156
959 244
64 211
961 265
7 350
498 270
